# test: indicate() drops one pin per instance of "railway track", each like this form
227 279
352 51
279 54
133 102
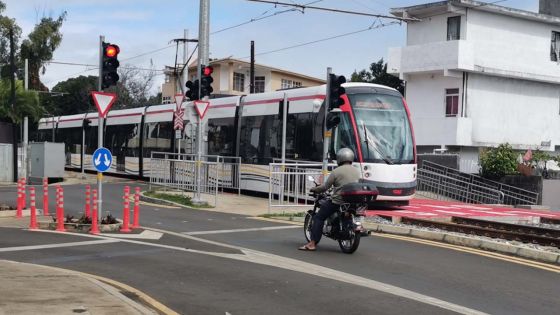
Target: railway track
507 231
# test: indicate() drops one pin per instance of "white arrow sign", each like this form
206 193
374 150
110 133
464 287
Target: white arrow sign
98 160
103 101
201 107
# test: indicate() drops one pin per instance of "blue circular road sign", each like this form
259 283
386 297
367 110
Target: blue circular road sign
102 159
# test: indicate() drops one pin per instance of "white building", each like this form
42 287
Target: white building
478 75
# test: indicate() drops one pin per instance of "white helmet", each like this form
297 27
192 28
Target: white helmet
344 155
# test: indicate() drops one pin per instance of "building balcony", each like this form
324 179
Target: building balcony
464 56
443 131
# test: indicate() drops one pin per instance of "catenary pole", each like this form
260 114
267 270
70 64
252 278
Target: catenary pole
100 131
13 103
203 59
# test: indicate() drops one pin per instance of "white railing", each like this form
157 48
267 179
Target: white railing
289 184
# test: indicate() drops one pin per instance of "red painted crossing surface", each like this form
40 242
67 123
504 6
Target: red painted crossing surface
421 208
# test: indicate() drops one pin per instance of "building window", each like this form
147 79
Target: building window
555 47
259 84
451 102
454 28
288 84
238 82
166 100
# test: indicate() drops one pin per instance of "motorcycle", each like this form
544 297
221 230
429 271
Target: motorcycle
344 225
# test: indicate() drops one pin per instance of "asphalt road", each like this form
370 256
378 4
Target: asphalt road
210 263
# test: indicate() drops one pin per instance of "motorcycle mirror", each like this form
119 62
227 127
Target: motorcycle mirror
310 178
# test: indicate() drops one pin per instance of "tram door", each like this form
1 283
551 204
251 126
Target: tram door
188 143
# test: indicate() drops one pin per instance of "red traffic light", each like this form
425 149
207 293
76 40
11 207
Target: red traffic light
112 51
208 71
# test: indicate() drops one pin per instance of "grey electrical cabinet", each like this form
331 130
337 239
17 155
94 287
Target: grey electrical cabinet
47 159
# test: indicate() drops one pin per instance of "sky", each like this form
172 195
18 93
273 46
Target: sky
144 30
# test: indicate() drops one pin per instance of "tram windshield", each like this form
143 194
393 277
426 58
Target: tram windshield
383 128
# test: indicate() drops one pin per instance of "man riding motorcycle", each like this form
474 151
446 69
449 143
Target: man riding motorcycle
344 174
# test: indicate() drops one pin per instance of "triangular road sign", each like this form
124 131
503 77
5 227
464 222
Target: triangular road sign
179 100
201 108
103 101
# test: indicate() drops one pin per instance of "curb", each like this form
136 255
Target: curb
168 203
117 289
466 241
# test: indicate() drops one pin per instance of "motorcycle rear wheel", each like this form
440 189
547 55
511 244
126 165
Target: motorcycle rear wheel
350 245
307 226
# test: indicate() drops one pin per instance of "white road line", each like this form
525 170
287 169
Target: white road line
45 246
244 230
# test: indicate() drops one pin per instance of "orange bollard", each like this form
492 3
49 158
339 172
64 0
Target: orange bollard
45 196
57 203
88 191
33 223
24 192
94 228
19 212
126 211
60 216
135 222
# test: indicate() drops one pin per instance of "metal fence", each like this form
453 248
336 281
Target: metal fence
227 168
289 184
512 195
437 186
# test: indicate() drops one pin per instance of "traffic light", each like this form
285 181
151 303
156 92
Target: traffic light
192 92
110 64
206 81
336 90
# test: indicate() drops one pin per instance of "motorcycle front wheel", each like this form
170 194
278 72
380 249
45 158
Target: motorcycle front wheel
307 226
350 245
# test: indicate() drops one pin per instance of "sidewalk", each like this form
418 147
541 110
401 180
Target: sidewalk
28 289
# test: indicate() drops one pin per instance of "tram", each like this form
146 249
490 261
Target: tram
374 123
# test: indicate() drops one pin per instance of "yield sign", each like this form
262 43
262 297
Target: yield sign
103 101
201 108
179 100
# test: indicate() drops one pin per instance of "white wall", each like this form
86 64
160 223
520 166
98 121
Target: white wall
224 77
512 44
522 113
432 29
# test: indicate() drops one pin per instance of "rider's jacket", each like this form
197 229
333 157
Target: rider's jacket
340 176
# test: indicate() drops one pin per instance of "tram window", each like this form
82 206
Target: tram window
260 139
123 140
91 140
299 137
221 136
157 137
72 138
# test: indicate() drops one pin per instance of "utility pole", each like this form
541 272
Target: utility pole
100 130
13 103
24 149
326 133
203 58
252 86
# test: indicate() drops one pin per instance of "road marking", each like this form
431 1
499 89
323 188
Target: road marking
516 260
243 230
45 246
145 235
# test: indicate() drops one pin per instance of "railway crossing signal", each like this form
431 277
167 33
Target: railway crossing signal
192 93
109 65
336 90
206 81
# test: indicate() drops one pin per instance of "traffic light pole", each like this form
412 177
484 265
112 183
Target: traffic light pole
203 58
326 133
100 131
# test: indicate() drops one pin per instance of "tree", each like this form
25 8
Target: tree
6 24
497 162
378 74
26 104
134 87
72 96
40 46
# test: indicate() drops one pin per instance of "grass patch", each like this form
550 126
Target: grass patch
180 199
284 214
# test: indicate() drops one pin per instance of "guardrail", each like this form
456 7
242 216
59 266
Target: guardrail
289 186
437 186
227 167
512 195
